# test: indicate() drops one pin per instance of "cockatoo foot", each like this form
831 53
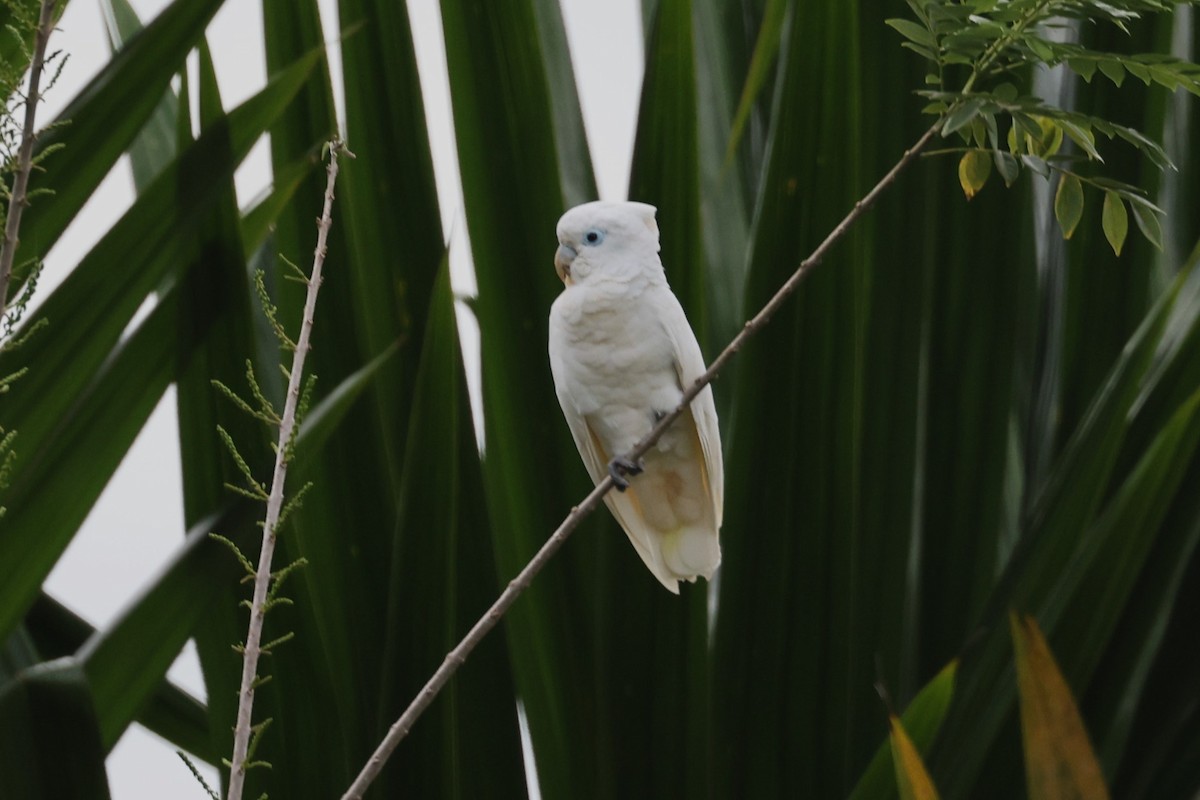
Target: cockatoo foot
619 467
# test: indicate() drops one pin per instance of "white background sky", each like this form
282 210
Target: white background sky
138 521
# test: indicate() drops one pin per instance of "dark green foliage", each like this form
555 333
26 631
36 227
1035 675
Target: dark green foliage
960 413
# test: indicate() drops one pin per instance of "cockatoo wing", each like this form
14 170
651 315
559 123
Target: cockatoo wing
595 459
689 366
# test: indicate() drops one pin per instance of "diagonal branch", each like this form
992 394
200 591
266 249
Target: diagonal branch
517 585
262 578
19 197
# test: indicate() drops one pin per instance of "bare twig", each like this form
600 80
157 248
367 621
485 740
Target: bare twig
19 197
262 579
458 655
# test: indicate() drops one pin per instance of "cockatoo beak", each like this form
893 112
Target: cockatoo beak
562 262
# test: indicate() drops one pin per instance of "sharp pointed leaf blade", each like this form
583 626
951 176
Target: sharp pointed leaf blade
154 146
259 218
104 118
348 515
171 712
766 47
93 306
474 721
395 241
1059 759
54 748
323 420
911 776
1069 501
174 600
502 103
921 721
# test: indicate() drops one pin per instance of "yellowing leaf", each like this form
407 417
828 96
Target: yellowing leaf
973 171
1052 136
912 779
1068 204
1059 759
1115 221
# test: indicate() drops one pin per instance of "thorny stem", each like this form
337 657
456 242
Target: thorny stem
458 655
19 198
262 577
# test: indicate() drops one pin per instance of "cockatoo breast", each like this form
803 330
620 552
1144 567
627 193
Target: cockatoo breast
615 355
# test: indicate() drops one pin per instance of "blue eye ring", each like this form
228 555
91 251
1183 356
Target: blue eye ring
593 236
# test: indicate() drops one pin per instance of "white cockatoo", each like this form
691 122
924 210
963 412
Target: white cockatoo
622 352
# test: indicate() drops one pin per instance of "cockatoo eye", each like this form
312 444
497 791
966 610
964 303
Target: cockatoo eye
593 237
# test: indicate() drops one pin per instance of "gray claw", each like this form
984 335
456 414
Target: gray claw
619 467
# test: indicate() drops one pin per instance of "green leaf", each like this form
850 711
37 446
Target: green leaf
913 32
1139 71
1115 221
441 586
727 178
1107 564
122 667
961 115
154 146
259 219
1037 165
1113 70
1083 67
1040 47
1149 224
1008 167
1082 137
1068 204
55 750
766 47
169 711
973 171
388 203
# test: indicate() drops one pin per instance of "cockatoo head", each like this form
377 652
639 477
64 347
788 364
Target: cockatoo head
606 238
